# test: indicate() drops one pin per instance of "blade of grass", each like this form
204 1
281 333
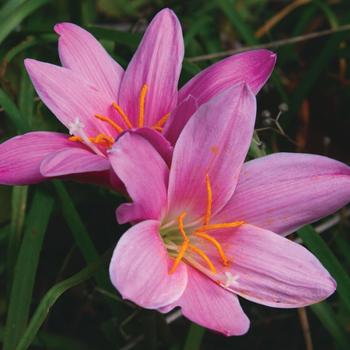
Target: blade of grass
194 337
26 267
329 320
18 210
17 15
50 299
79 231
13 113
317 245
26 97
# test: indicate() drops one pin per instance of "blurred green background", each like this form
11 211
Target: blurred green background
56 239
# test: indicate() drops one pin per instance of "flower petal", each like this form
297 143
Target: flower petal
156 63
21 156
252 67
217 148
179 117
144 174
72 161
139 268
211 306
69 96
285 191
82 53
272 270
158 141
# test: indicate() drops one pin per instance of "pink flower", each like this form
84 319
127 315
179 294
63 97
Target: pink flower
97 101
212 228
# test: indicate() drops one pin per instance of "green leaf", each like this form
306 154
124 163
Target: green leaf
12 112
317 245
26 267
50 299
16 15
18 205
79 231
329 320
194 337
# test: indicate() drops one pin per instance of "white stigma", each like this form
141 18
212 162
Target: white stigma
76 128
230 279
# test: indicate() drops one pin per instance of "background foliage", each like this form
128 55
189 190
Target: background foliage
56 239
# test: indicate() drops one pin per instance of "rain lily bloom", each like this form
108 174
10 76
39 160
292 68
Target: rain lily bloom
211 228
97 101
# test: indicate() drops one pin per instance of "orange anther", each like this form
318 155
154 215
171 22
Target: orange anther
209 200
142 105
219 226
160 123
203 256
75 138
123 115
217 245
110 122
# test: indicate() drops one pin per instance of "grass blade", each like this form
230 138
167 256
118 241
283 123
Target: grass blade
12 112
49 300
317 245
328 318
16 16
79 231
26 267
194 337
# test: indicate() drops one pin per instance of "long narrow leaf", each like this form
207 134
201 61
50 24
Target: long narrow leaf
50 299
79 231
317 245
194 337
26 267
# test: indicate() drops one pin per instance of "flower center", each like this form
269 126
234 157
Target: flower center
180 246
102 142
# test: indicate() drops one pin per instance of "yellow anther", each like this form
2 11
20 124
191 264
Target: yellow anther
102 138
209 200
160 123
142 105
110 122
123 115
217 245
75 138
203 256
219 226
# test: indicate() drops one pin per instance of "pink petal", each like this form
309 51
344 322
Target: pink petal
252 67
285 191
272 270
21 156
72 161
158 141
145 176
179 117
139 268
69 96
218 149
211 306
82 53
157 63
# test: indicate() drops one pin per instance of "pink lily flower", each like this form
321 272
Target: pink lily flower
97 101
212 228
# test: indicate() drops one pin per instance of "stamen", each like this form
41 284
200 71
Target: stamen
210 200
102 138
75 138
204 256
184 245
217 245
110 122
123 115
142 105
218 226
160 123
